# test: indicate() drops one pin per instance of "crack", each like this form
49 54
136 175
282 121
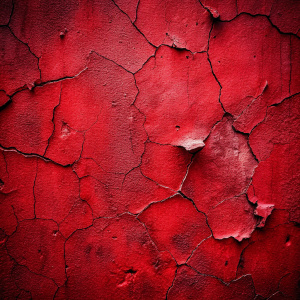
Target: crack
241 260
34 198
278 286
206 219
251 150
80 196
13 149
195 153
6 104
136 10
254 99
163 186
125 175
171 47
108 59
275 294
262 121
165 250
152 203
17 219
26 44
133 23
55 107
133 103
171 284
236 7
40 84
11 13
220 91
206 8
6 165
61 79
153 55
271 8
211 236
73 205
86 176
212 276
187 169
18 264
54 296
290 81
261 15
66 266
278 103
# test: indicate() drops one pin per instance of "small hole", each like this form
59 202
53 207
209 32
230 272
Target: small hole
226 262
177 127
287 239
131 271
187 57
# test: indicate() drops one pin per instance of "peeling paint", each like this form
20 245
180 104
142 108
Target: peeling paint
149 149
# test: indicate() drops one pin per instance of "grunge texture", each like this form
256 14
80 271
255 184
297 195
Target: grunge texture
149 149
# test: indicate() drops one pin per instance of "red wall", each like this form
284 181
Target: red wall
149 149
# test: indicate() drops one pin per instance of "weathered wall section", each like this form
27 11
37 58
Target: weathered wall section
149 149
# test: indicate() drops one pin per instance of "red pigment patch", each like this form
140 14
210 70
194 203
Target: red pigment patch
149 149
176 226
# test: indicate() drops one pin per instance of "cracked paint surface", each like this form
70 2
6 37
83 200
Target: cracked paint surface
149 149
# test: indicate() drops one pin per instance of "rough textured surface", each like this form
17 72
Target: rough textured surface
149 149
63 38
252 61
176 226
30 115
224 167
44 248
172 77
232 218
275 142
175 23
189 284
19 67
273 254
134 272
227 252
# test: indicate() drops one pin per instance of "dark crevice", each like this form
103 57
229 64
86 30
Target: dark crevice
171 284
38 58
13 149
133 23
211 67
53 115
